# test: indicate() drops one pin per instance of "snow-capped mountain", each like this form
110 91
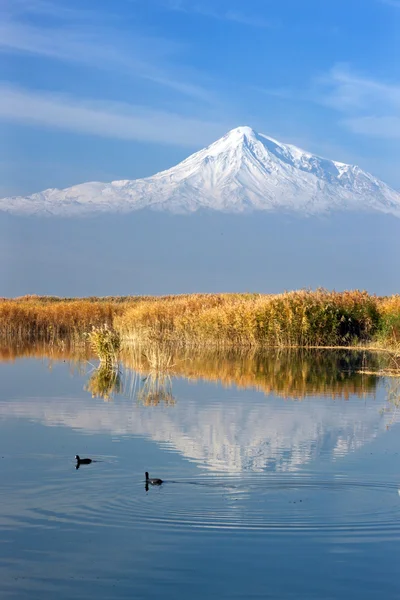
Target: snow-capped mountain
242 171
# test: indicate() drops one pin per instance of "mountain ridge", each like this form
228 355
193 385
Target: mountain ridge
242 171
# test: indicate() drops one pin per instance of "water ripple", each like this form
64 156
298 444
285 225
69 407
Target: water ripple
352 508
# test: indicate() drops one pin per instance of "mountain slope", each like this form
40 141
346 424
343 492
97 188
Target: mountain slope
241 171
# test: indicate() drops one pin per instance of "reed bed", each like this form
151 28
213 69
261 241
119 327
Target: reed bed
51 319
35 319
293 319
388 335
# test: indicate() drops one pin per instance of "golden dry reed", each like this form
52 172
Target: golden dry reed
51 319
106 344
302 318
388 334
36 319
293 319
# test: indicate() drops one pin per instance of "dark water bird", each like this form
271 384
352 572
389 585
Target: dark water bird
151 480
82 461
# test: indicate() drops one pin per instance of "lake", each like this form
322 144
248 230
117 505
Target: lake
281 478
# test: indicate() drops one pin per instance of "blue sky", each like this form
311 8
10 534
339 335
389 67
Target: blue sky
104 90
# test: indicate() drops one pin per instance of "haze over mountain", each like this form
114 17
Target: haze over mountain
242 171
155 252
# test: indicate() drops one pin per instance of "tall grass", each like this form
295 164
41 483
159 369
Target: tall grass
296 319
36 319
388 334
51 319
293 319
106 344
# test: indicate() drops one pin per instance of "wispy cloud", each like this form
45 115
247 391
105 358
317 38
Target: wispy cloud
282 93
75 37
367 105
244 19
48 8
207 10
383 127
394 3
371 107
346 90
113 120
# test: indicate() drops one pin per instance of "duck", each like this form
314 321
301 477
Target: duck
152 480
83 461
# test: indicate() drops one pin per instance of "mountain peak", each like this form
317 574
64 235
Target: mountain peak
244 170
239 132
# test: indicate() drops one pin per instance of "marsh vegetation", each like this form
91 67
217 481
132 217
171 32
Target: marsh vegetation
293 319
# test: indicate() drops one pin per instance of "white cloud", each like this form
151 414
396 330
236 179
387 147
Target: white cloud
222 15
114 120
383 127
251 20
346 90
394 3
100 46
49 8
371 107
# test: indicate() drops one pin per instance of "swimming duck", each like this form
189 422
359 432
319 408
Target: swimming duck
83 461
152 481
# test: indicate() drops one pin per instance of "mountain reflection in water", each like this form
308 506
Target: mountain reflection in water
232 433
280 469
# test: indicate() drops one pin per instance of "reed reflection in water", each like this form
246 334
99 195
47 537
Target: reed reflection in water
289 374
148 374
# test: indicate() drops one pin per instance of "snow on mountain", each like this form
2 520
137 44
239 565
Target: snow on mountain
242 171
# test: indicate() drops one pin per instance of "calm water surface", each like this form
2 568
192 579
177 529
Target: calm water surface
281 480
